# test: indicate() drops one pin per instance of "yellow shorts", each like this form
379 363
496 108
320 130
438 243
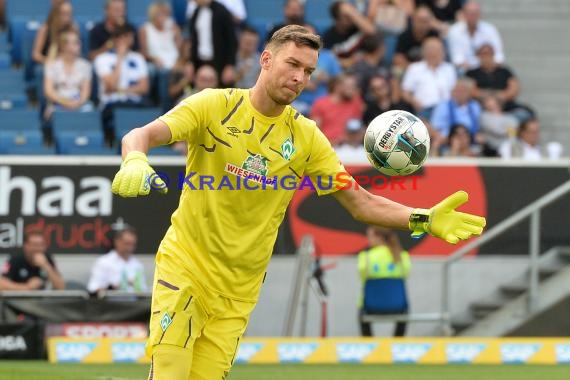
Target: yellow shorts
184 314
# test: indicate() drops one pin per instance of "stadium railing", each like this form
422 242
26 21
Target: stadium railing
531 211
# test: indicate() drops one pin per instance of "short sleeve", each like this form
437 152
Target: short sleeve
102 64
323 167
85 70
189 116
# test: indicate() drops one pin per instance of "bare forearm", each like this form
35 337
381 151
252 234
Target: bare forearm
7 284
55 278
384 212
140 88
155 133
373 209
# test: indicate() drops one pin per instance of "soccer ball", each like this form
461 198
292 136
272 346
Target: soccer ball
396 143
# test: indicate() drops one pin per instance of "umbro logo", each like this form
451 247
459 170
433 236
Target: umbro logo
233 131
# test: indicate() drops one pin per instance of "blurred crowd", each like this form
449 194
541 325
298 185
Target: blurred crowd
439 59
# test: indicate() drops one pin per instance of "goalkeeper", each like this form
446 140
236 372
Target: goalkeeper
211 262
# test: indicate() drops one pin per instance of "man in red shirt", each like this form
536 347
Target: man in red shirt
331 112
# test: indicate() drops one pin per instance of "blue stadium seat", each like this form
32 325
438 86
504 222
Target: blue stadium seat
14 141
30 9
4 44
179 11
77 121
12 90
81 142
137 11
22 33
129 118
93 10
5 61
19 120
385 296
269 12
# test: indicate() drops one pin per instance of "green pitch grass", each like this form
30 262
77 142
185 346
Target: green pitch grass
36 370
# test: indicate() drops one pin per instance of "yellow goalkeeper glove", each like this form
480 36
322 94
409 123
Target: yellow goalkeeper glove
444 222
136 177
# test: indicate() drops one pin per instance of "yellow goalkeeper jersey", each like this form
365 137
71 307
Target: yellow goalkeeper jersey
241 172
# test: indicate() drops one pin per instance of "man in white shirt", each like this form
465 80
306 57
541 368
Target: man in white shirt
527 146
465 37
119 269
429 81
123 77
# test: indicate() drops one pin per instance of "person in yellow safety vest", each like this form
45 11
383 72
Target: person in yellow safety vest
384 259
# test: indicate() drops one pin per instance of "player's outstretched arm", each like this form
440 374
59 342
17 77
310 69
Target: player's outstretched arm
134 176
442 220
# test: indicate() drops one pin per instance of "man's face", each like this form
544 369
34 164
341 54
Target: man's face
288 71
206 77
116 12
294 12
486 56
348 88
126 244
472 14
460 93
248 42
531 133
35 244
422 20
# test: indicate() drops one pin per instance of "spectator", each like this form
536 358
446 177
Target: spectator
460 143
100 37
67 79
429 81
123 78
247 61
493 78
465 36
160 37
31 269
293 14
409 45
235 7
59 18
370 62
214 40
353 147
444 12
181 75
460 109
349 28
527 144
388 15
497 126
385 259
380 100
331 112
119 269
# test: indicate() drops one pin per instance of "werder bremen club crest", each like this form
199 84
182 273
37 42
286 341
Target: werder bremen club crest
287 149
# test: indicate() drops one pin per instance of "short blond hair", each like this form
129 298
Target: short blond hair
298 34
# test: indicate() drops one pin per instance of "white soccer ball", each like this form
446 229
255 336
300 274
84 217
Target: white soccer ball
397 143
